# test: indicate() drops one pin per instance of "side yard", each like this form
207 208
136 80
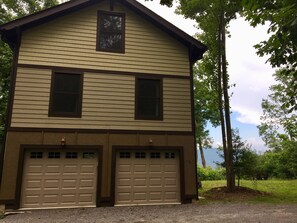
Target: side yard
262 191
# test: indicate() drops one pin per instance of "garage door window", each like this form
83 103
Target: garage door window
36 155
71 155
170 155
89 155
155 155
54 155
125 155
140 155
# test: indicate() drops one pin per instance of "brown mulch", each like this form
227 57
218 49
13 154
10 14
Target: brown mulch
240 193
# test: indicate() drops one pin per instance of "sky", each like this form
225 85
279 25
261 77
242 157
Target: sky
248 71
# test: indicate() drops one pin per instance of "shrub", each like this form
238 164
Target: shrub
209 173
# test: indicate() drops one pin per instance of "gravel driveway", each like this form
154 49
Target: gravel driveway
218 212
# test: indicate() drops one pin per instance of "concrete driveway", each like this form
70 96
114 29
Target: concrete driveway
218 212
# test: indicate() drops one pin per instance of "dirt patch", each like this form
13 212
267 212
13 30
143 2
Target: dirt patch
240 193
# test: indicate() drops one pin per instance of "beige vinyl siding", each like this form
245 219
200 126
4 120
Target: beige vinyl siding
108 103
70 41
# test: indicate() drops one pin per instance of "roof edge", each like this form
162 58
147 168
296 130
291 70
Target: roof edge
163 23
196 47
43 14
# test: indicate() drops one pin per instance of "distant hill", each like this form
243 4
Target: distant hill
211 156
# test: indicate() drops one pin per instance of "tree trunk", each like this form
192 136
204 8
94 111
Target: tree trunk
231 176
202 153
220 101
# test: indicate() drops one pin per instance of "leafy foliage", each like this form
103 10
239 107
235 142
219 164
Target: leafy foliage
10 10
206 106
278 129
5 67
279 164
212 17
209 173
281 14
279 121
244 158
281 47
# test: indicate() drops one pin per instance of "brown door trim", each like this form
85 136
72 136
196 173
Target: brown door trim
23 148
116 149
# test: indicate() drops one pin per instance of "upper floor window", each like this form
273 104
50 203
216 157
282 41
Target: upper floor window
111 32
66 95
148 99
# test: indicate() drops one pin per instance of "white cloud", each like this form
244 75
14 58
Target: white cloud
257 144
187 25
247 115
248 71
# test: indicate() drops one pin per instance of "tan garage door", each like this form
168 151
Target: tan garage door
59 179
147 177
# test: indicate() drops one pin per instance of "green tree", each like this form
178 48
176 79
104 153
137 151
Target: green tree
10 10
5 67
278 122
244 158
281 47
278 130
213 17
206 108
279 163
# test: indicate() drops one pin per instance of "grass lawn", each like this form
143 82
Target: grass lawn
263 191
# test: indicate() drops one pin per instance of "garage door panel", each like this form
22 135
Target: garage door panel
69 184
70 169
34 169
86 199
170 181
68 196
170 169
157 181
50 198
125 197
51 184
170 195
155 196
32 200
34 183
50 191
87 183
34 192
124 168
123 182
59 179
139 197
153 178
139 182
139 168
52 169
155 168
87 169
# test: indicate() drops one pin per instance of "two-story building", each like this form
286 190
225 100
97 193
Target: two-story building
100 108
